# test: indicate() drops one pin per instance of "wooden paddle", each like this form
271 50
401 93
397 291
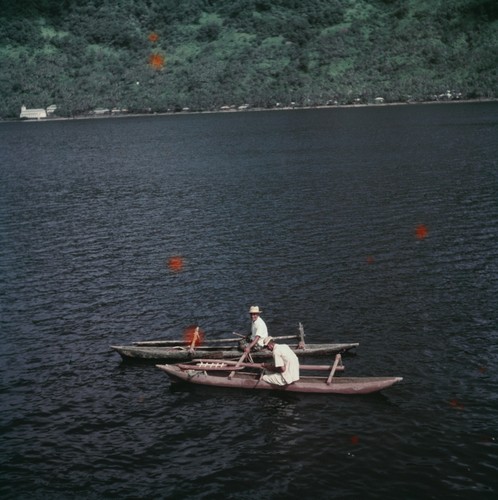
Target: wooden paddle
195 338
239 362
301 344
338 358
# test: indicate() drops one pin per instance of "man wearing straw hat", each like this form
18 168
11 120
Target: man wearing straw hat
259 331
285 367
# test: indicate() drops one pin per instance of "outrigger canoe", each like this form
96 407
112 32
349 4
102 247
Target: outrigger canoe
176 353
238 375
172 351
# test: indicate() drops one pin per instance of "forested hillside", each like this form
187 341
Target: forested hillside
159 55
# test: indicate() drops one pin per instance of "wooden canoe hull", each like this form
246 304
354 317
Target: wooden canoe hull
181 353
306 384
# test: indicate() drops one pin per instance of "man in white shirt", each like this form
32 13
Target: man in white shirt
285 369
259 331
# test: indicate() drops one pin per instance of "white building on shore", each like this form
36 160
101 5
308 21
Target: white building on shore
37 113
32 114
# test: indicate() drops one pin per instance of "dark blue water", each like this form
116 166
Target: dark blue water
310 214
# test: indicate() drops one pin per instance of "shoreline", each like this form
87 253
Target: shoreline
250 109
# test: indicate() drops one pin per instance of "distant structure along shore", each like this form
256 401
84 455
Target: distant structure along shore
37 113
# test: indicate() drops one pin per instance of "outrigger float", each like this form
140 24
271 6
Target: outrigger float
240 375
172 351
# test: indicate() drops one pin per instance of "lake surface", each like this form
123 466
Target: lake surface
376 225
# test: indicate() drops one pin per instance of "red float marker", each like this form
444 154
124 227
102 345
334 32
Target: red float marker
454 403
421 232
175 264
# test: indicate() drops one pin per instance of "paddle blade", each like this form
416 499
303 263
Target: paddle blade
193 335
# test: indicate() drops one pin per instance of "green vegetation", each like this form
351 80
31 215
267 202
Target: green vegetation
159 55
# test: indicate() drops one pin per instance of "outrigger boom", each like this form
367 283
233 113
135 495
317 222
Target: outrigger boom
159 343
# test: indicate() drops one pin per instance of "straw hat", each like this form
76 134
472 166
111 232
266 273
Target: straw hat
255 310
267 340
